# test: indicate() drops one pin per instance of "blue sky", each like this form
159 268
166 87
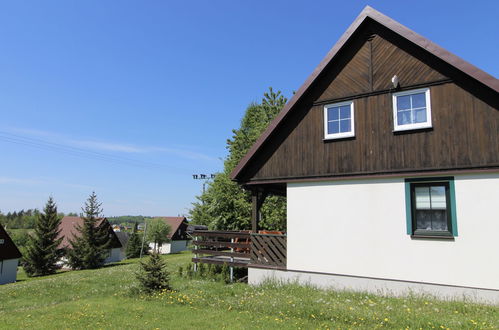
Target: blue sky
130 98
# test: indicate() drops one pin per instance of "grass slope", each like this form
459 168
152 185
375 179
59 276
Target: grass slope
101 299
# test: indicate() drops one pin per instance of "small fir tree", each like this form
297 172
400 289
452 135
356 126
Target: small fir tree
153 275
42 251
89 248
134 244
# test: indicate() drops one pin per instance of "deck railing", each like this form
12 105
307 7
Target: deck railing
240 248
219 247
268 250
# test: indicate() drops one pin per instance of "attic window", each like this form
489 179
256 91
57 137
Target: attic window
412 110
339 120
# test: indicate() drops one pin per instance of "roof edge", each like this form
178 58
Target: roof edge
368 12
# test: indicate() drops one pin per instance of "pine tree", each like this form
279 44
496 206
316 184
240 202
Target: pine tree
134 244
153 275
89 247
42 251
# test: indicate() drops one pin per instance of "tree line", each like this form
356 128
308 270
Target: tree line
88 248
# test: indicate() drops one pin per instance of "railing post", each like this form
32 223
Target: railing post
195 254
231 269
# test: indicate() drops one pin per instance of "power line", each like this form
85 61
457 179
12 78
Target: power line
73 151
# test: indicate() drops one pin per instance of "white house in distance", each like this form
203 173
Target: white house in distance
391 150
68 231
178 238
9 258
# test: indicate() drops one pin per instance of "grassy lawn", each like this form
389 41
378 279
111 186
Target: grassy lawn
101 299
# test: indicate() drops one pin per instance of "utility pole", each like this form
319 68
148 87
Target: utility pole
204 177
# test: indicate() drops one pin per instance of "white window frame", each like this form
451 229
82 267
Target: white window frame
427 124
351 133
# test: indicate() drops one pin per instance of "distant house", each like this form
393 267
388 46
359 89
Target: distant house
9 258
68 231
178 235
390 153
123 236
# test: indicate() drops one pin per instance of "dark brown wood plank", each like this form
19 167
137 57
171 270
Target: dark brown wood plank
223 253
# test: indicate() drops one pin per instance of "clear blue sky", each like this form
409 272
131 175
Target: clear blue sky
130 98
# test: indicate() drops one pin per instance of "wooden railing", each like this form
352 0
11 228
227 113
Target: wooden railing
240 248
268 250
219 247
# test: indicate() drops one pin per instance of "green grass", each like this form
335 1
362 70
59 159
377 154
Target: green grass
102 299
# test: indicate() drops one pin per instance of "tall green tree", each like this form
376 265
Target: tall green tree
42 251
134 244
157 232
89 247
227 206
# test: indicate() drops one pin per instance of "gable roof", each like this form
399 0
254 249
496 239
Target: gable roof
8 250
469 70
174 223
68 230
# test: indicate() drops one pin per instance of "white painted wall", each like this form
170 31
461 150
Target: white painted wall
115 255
358 227
8 270
171 247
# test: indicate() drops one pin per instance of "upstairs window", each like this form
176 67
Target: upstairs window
412 109
339 120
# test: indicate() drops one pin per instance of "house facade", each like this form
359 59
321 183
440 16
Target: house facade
178 238
391 148
9 258
68 231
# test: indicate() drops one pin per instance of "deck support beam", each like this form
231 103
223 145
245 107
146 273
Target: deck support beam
257 199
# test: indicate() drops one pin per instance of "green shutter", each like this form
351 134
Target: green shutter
453 211
408 208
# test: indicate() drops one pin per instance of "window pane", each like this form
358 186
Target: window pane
403 117
345 126
333 113
439 220
423 219
420 116
422 198
403 102
345 112
438 198
333 127
418 100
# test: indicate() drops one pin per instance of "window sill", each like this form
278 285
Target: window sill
434 236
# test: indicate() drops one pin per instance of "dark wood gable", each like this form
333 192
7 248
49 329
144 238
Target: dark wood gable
465 117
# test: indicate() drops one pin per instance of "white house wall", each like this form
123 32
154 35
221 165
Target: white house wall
358 227
115 255
171 247
8 270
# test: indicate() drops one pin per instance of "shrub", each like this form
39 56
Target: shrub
153 275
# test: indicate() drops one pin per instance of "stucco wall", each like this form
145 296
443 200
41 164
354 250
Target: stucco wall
8 270
358 227
171 247
115 255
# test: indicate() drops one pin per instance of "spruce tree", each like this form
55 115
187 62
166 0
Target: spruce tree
89 247
134 244
42 251
153 275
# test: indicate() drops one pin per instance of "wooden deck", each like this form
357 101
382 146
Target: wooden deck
240 248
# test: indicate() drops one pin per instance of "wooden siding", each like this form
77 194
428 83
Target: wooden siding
353 78
464 135
389 60
371 68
